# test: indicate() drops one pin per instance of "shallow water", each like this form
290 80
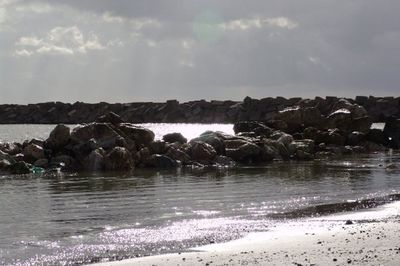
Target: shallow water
73 219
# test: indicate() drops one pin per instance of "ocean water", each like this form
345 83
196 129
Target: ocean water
69 219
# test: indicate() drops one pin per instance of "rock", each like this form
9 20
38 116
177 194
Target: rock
302 155
355 138
247 152
103 134
214 139
95 160
340 119
174 137
43 163
65 162
297 117
377 136
11 148
201 151
118 159
34 152
276 149
250 126
20 168
177 154
140 135
4 164
361 124
111 118
305 146
158 147
392 132
332 136
286 139
5 156
142 155
161 161
59 137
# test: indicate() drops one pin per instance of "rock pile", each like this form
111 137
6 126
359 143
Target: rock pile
301 132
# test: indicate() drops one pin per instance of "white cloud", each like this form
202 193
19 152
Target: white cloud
39 8
60 40
108 17
257 23
23 53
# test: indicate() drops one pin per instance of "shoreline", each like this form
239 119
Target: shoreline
371 238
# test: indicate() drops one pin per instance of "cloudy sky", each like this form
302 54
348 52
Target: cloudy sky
154 50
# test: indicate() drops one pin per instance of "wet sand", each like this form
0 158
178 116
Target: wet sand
311 242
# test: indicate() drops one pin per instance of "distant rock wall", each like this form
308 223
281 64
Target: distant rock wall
267 109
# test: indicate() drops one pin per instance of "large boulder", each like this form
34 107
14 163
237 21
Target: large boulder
102 133
65 162
11 148
174 137
201 151
215 139
298 117
243 151
178 154
20 168
118 159
340 119
34 152
140 135
59 137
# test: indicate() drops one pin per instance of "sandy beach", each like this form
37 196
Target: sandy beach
334 240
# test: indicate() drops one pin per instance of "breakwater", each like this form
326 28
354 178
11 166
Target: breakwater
379 109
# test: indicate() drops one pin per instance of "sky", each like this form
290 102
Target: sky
156 50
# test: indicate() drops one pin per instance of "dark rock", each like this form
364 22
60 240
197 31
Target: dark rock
11 148
140 135
20 168
65 162
215 139
392 132
377 136
201 151
33 152
118 159
95 161
59 137
174 137
245 152
4 164
250 126
44 163
161 161
178 154
5 156
224 161
103 134
158 147
355 138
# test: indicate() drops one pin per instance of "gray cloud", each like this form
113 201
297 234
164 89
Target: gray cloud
103 50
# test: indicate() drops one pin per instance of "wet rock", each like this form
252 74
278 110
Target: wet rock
303 148
158 147
95 160
174 137
65 162
102 133
286 139
11 148
246 152
299 117
161 161
43 163
392 132
34 152
355 138
340 119
361 124
20 168
59 137
118 159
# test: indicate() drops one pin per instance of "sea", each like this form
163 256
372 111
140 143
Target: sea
82 218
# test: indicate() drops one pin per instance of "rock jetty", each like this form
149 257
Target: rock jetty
302 132
379 109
